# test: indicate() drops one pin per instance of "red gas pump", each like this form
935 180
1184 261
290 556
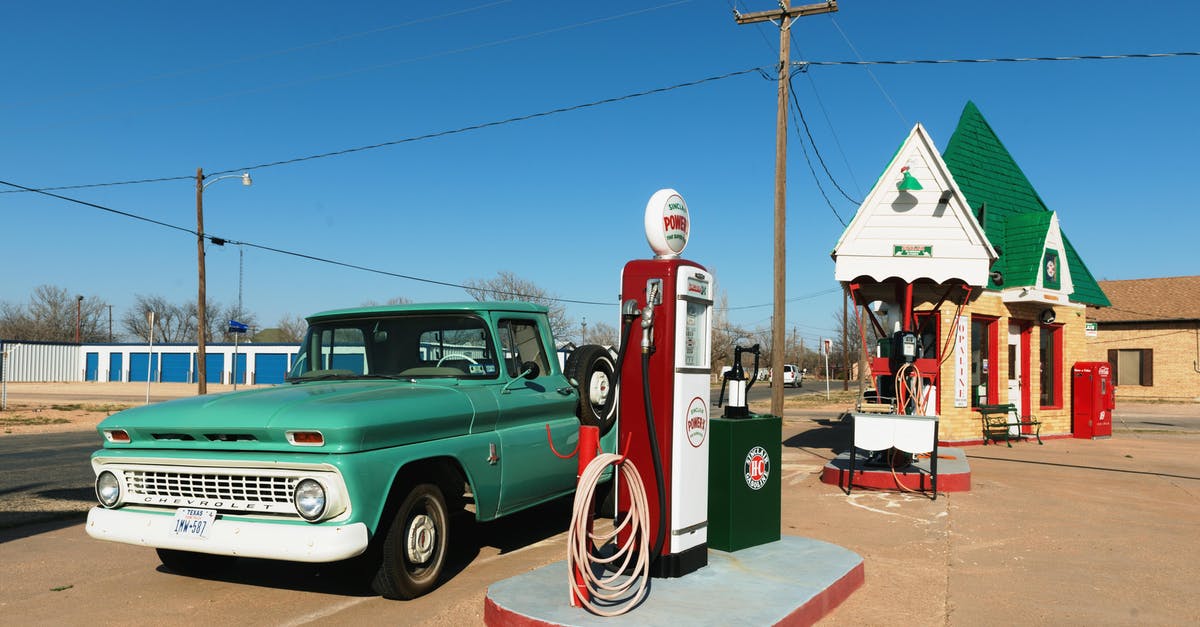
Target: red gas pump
665 394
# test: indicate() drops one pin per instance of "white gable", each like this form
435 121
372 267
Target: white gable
928 233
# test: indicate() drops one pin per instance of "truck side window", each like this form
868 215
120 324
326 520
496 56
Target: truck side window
521 341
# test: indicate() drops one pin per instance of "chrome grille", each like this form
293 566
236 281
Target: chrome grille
222 487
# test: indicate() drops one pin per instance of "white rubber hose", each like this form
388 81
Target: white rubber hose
609 592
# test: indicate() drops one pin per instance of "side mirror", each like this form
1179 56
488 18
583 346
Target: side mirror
530 370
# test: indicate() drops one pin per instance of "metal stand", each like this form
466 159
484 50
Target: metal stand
911 434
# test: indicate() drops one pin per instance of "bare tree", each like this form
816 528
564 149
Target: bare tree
218 320
508 286
172 323
726 336
54 314
602 333
291 328
395 300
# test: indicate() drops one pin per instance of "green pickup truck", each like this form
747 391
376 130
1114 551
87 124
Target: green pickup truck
392 419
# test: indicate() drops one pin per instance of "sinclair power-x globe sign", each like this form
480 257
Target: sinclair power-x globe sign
667 223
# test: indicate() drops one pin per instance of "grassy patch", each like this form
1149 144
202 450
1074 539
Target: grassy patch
23 421
96 407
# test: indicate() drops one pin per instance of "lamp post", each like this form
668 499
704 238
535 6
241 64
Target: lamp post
201 318
78 317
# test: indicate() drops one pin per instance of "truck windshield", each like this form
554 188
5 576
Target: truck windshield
399 346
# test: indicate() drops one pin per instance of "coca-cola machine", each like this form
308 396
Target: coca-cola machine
1093 398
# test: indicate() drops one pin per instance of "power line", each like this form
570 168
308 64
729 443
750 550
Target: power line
382 66
1093 57
832 131
465 129
476 127
796 106
790 300
291 253
878 84
807 159
256 57
800 64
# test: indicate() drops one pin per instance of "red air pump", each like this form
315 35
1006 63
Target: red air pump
667 423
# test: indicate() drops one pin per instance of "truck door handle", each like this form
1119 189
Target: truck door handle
566 391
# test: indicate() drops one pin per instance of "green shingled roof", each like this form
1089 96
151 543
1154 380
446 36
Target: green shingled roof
1008 207
1024 241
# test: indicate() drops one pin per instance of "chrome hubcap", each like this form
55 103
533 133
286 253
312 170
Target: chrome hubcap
421 540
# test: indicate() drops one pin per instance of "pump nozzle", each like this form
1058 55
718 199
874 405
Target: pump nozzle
653 297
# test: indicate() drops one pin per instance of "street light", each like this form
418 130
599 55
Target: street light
78 317
201 318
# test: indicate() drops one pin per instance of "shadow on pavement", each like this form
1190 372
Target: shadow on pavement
1100 468
352 577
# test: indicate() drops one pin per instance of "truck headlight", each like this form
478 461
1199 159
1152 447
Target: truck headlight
108 489
309 499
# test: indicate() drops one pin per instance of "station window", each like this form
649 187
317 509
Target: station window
1132 366
1050 359
984 347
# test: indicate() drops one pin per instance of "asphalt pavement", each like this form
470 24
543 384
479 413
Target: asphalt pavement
1070 533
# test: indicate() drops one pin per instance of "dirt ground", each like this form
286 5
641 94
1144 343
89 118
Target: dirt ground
1074 532
57 407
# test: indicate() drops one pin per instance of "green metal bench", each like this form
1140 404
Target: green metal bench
999 420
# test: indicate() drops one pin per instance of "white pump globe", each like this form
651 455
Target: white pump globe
668 223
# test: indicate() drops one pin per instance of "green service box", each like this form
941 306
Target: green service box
744 464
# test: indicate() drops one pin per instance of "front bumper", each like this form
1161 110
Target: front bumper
261 539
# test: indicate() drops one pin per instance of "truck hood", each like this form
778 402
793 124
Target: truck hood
351 415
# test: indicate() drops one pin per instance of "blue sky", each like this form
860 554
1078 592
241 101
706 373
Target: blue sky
97 93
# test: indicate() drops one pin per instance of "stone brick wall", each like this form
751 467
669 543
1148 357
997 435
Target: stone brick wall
1176 347
959 424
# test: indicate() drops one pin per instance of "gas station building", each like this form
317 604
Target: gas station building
957 249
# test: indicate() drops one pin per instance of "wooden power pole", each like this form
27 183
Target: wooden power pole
201 314
785 14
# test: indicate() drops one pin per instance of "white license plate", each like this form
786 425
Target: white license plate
194 523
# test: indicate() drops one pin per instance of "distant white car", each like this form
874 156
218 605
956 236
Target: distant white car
792 376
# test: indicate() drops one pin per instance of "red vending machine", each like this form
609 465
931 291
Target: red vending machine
1093 397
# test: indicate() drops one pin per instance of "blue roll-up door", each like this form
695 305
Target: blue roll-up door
175 367
214 367
91 364
138 364
115 362
239 369
270 368
214 364
354 363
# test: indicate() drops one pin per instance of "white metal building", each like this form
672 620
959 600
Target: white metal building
163 363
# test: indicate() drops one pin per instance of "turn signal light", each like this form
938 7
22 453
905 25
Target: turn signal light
116 435
306 438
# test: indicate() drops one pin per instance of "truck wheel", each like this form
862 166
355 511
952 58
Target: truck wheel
415 548
593 368
194 564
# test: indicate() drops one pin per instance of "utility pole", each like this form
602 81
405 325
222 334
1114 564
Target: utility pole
201 317
785 14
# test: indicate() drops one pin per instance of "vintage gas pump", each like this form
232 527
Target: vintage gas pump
664 399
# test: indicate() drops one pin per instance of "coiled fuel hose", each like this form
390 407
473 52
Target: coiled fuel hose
609 594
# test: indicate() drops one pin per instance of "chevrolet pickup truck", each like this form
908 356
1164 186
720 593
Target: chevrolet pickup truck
391 420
